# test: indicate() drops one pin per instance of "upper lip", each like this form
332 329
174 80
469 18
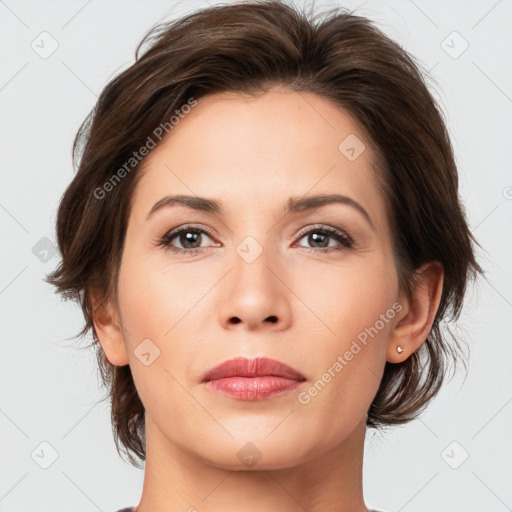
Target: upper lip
259 367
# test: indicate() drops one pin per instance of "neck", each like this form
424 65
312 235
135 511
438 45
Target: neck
176 479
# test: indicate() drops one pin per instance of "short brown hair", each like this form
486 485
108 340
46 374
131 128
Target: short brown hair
247 48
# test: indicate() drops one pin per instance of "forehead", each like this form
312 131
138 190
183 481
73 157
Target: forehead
255 152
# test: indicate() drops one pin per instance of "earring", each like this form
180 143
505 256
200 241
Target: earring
399 349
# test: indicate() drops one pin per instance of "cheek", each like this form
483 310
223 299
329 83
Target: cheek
151 309
353 306
153 298
162 305
347 297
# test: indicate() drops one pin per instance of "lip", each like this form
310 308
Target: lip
252 379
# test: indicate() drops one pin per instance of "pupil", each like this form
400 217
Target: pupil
315 236
189 237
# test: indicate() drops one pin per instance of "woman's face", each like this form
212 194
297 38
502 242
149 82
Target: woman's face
257 279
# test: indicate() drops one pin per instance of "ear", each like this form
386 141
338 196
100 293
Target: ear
108 330
417 314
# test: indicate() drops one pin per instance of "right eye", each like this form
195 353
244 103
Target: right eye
189 237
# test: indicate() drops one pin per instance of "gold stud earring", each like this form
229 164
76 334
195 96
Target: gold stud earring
399 349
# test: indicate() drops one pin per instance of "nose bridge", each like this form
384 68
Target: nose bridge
255 248
252 262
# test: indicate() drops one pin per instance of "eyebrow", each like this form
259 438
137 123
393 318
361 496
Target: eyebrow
294 204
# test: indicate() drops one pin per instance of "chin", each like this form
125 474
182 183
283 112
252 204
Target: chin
258 452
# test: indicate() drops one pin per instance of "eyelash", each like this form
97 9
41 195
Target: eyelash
345 240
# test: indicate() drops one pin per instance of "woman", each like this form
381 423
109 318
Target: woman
265 235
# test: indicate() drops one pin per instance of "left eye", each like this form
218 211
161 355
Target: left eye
321 235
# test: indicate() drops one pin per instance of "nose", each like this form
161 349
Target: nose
255 295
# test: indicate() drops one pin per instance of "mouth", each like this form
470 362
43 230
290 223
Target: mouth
252 379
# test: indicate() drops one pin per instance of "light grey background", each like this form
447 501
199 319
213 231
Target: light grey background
49 389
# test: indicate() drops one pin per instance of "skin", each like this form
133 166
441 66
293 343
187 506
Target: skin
252 154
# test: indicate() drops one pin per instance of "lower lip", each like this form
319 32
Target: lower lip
252 388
